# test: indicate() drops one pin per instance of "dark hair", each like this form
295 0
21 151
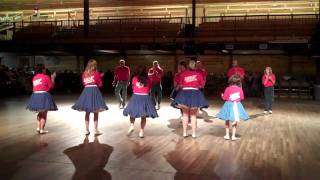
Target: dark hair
235 80
142 75
183 63
39 68
48 72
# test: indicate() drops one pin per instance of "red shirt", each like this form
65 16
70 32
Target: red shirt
93 79
191 79
268 82
155 74
122 73
137 87
233 93
236 70
42 82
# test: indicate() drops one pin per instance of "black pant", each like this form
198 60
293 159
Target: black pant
156 93
268 98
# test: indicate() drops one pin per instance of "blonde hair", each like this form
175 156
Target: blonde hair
91 67
270 69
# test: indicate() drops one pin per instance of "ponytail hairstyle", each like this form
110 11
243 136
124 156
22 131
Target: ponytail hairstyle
90 68
235 80
142 75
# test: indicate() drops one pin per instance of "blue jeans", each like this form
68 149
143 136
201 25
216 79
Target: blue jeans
121 92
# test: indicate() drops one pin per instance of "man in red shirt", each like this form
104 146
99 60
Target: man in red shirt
155 74
235 69
121 81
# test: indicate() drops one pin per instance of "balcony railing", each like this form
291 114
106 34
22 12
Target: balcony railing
124 27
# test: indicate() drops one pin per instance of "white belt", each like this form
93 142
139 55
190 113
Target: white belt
141 93
90 86
236 111
190 88
40 92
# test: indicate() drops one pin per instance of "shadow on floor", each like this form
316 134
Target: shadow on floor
89 159
254 116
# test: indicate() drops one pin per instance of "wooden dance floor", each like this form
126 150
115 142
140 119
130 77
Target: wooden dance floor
284 145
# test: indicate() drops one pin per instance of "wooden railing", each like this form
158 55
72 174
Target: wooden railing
291 17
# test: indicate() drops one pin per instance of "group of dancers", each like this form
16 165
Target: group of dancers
187 95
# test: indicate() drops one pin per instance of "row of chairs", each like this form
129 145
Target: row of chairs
293 88
228 30
111 31
283 88
256 30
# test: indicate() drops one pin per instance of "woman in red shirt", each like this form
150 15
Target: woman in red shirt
140 104
91 99
41 101
268 81
190 98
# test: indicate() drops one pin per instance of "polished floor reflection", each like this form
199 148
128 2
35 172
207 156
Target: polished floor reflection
284 145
